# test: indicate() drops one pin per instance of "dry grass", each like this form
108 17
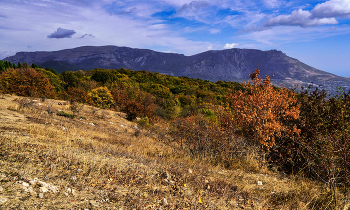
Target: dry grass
99 163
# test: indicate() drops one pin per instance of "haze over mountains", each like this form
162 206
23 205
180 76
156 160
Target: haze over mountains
227 65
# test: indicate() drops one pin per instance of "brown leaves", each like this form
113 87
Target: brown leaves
262 112
26 82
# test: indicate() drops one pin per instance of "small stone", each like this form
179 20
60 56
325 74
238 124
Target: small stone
34 181
190 171
93 203
43 189
3 200
41 195
260 183
1 189
25 184
165 202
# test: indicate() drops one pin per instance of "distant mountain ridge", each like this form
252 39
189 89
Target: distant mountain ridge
227 65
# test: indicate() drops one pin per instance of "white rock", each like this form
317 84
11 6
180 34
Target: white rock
94 203
34 181
3 200
50 187
1 189
165 202
25 184
41 195
260 183
43 189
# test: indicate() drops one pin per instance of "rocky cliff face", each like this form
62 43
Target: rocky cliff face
227 65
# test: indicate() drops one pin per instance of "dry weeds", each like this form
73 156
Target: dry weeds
97 162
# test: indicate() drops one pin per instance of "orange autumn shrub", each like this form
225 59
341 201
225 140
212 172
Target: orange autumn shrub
27 82
78 95
262 112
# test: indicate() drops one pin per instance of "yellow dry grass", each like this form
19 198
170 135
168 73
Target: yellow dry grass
99 163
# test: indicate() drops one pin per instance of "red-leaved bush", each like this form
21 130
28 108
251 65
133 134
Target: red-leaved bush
262 112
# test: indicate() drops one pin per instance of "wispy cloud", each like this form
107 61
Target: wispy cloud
215 31
194 7
272 3
86 36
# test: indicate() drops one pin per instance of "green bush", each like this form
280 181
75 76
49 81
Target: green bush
65 114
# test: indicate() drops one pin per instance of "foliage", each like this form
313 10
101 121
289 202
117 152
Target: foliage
26 81
65 114
54 79
6 65
324 142
72 79
103 76
134 102
77 95
264 113
102 97
51 70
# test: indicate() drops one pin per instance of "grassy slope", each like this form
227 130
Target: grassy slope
107 166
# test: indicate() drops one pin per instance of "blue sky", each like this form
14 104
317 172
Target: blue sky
315 32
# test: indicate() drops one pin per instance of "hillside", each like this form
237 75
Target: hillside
226 65
102 161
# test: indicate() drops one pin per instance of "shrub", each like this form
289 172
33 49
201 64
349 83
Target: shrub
134 102
199 135
77 95
324 143
65 114
264 113
26 82
102 97
53 79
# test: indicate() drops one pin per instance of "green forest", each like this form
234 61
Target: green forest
305 132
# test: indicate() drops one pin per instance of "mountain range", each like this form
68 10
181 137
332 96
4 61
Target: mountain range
227 65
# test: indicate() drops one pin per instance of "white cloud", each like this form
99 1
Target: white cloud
322 14
210 47
332 8
214 31
300 18
230 46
